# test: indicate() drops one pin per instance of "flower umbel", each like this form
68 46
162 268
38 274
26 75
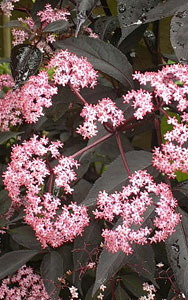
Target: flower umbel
26 177
131 204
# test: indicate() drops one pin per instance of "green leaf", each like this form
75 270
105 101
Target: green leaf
25 236
5 202
102 56
115 176
12 261
51 269
177 252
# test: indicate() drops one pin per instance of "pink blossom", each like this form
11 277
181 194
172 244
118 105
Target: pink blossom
26 103
142 102
91 33
28 21
49 14
104 111
131 204
7 6
170 84
19 36
25 179
55 224
173 155
24 284
68 68
6 80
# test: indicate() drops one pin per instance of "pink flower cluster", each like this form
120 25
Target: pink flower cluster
173 155
24 284
142 102
27 178
7 6
26 102
132 204
150 289
91 33
69 69
49 14
170 84
19 36
104 111
6 80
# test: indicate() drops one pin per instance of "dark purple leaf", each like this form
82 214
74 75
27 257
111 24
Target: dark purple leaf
51 269
162 10
134 284
132 39
90 239
102 56
177 252
105 26
5 202
57 26
25 61
130 11
121 294
179 33
115 176
84 8
5 136
12 261
25 236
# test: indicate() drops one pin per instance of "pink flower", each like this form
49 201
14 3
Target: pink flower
173 155
68 68
49 14
104 111
6 80
26 178
7 6
170 84
26 103
131 204
142 102
24 284
19 36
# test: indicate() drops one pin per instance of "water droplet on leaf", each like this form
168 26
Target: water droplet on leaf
121 8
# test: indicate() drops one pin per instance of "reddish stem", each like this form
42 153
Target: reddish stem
164 112
158 131
122 153
112 288
92 145
51 176
78 95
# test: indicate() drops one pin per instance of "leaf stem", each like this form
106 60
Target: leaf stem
122 153
112 288
92 145
78 94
